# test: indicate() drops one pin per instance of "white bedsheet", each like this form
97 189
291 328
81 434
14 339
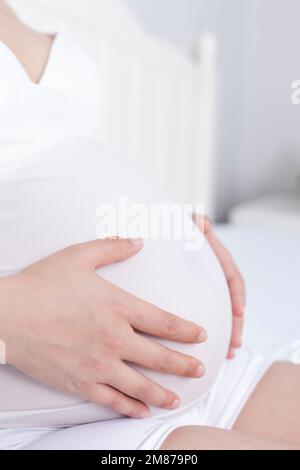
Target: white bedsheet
270 263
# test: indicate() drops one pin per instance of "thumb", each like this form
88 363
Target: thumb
100 253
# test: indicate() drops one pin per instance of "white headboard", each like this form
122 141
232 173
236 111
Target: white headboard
158 103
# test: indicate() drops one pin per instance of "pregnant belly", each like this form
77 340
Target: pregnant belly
51 201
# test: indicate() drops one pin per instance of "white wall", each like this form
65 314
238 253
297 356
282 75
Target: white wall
270 144
258 138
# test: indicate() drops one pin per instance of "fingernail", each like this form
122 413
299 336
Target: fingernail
145 414
202 336
175 404
200 371
136 241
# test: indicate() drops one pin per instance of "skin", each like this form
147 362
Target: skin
234 279
44 352
204 438
273 410
270 420
30 47
80 331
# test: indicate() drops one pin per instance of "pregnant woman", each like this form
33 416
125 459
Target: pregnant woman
93 359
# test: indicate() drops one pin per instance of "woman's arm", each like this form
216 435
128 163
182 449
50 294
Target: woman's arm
67 327
6 9
30 47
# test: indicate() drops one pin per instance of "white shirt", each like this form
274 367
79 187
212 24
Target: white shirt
64 103
51 199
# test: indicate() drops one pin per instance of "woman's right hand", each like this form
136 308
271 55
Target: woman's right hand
67 327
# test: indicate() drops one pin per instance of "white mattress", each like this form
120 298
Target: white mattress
270 263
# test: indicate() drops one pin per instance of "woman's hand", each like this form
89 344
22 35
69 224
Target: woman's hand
235 282
71 329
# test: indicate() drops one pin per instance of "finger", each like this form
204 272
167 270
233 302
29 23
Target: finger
154 321
99 253
203 223
107 396
237 293
232 274
237 330
135 385
223 256
238 305
207 226
151 355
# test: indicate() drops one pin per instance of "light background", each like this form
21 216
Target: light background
258 148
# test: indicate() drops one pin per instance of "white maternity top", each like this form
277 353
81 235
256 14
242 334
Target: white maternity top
49 200
52 182
34 116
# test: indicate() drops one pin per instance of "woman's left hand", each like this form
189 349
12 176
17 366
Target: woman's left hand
235 282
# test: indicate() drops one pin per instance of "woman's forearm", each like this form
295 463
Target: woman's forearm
30 47
6 9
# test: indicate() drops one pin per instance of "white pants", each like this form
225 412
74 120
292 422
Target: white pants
220 409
